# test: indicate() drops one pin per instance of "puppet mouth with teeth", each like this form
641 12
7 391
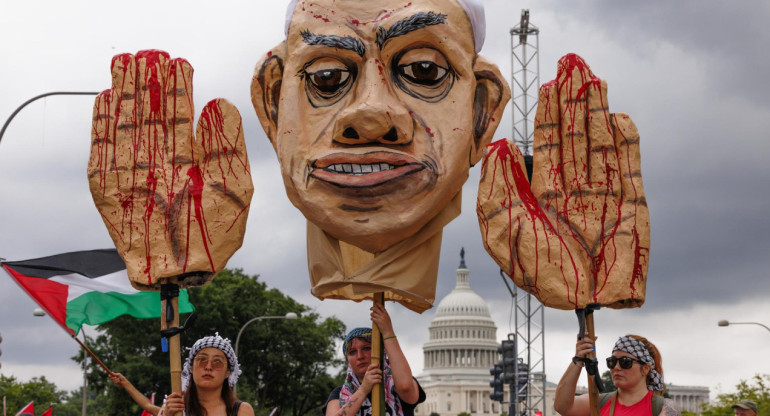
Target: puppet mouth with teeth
363 170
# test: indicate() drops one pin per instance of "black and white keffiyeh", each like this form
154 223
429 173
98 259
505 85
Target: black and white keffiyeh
636 348
222 344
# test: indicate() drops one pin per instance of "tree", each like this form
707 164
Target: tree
463 414
285 363
38 389
607 382
756 389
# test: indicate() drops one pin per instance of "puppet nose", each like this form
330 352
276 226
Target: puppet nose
376 115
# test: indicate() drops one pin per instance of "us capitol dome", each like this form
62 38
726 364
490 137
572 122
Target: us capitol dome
461 348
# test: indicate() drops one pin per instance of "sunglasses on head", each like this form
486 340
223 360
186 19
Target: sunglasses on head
625 362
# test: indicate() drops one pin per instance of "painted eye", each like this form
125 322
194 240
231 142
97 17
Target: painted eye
423 72
328 81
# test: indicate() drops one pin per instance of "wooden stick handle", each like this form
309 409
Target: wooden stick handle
593 391
377 354
174 345
88 350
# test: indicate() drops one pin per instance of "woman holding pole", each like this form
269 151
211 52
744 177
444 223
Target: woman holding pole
637 372
146 404
402 392
209 375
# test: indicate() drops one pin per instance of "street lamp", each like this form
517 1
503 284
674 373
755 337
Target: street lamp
724 322
289 315
40 312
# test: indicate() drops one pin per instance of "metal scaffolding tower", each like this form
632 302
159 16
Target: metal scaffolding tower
529 319
525 80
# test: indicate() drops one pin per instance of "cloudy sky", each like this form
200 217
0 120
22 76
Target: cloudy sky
692 74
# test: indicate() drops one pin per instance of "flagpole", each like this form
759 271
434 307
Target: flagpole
88 350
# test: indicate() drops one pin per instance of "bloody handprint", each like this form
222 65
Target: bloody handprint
175 206
581 232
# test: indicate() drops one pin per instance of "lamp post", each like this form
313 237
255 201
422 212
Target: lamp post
40 312
289 315
725 322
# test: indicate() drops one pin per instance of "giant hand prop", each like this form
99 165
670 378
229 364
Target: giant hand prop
174 205
581 232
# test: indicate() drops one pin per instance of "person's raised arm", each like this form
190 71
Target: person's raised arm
565 401
406 386
353 405
120 380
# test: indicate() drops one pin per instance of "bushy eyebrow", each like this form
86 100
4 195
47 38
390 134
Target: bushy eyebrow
347 42
410 24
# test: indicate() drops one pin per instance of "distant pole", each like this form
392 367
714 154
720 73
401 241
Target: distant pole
85 374
8 121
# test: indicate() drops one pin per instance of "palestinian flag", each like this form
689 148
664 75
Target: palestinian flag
28 410
86 287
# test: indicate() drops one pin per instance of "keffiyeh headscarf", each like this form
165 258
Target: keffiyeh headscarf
636 348
222 344
352 383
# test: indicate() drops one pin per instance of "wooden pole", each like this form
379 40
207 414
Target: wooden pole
353 258
593 391
88 350
174 347
378 393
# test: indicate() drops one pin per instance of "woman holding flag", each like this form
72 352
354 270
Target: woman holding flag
208 377
402 392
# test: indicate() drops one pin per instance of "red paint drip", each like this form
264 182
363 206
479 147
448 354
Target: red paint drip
509 163
196 194
430 133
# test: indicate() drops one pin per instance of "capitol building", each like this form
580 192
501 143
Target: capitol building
462 347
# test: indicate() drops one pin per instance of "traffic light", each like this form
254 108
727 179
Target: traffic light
508 350
522 380
496 383
538 413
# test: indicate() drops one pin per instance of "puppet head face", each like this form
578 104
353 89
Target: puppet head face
376 110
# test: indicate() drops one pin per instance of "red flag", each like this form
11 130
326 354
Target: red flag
144 412
48 412
27 410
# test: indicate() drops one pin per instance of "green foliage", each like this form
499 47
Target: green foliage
434 414
607 382
756 389
285 363
18 394
38 389
463 414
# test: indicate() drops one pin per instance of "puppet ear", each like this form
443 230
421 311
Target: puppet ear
266 89
491 97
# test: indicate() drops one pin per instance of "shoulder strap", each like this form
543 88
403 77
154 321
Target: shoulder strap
614 400
603 397
236 405
657 404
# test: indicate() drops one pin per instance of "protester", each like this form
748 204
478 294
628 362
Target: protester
208 377
745 408
637 372
402 391
140 399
